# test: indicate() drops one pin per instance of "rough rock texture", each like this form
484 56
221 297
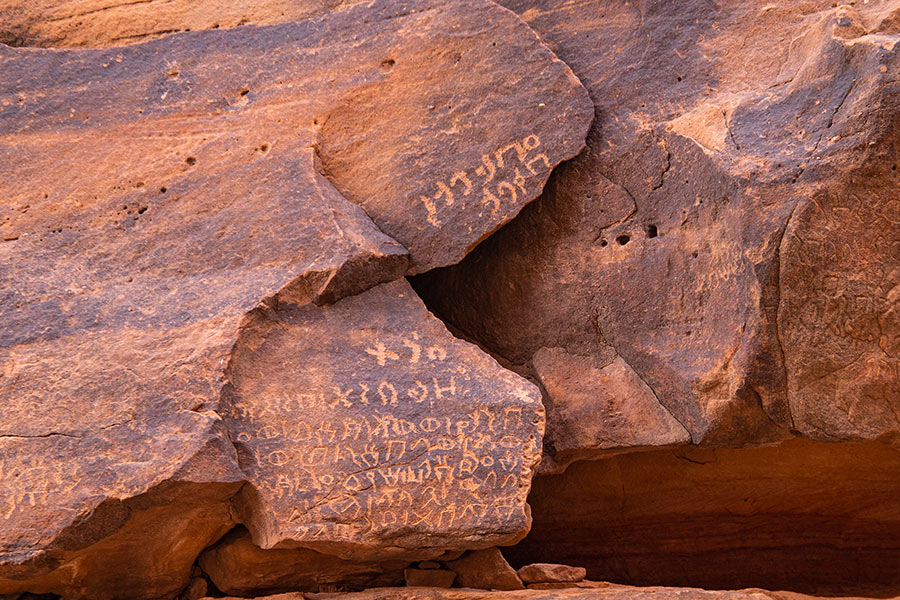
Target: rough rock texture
163 205
193 300
92 23
596 405
820 518
485 569
238 566
551 573
605 592
730 233
429 578
367 430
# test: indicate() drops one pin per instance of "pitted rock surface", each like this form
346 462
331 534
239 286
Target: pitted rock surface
730 233
160 199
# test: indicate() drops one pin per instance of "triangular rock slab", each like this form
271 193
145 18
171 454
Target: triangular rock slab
367 430
598 407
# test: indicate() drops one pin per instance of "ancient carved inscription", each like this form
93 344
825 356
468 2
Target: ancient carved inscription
400 429
496 182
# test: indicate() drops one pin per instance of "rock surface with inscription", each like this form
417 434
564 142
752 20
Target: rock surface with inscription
165 203
730 235
366 430
520 112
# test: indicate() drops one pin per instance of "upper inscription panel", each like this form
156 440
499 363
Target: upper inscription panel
366 425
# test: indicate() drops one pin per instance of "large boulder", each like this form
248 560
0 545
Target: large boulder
164 207
366 430
729 238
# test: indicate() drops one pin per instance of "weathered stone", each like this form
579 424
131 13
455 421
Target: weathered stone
93 23
437 210
238 566
160 201
818 518
485 569
730 232
367 430
597 407
607 592
196 590
551 573
434 578
584 584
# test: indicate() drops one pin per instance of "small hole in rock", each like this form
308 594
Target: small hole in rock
603 243
388 63
679 78
245 91
163 190
190 160
264 148
651 231
622 240
694 254
141 210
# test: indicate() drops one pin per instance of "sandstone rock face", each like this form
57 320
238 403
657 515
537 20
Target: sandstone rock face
819 517
485 569
598 408
238 566
605 592
366 429
551 573
429 578
206 329
165 218
730 233
92 23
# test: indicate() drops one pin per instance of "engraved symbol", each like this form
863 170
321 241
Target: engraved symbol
461 176
381 353
542 157
487 169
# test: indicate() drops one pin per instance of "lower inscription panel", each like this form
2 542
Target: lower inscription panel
365 426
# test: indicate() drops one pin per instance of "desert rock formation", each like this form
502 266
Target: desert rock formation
215 378
174 257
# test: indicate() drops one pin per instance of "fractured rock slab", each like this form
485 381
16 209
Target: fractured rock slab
366 430
238 566
485 569
551 573
160 200
596 408
502 109
731 230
